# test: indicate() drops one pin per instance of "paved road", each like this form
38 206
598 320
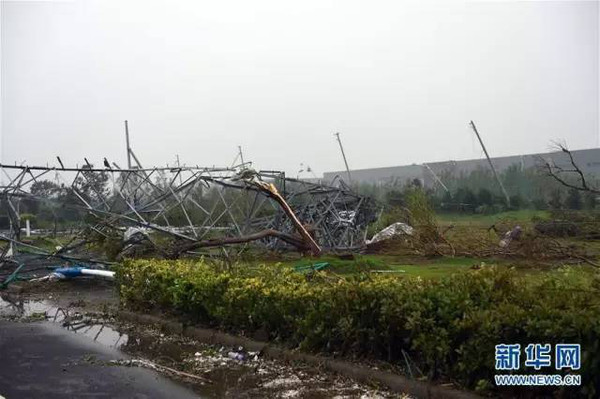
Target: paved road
42 360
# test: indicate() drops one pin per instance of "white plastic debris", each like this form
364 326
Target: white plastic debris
137 233
393 230
290 381
510 235
237 356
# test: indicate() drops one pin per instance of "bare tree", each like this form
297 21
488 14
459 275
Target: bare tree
563 174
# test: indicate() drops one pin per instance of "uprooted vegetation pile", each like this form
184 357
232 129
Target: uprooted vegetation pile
561 237
447 328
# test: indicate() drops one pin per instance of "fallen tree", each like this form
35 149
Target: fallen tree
297 242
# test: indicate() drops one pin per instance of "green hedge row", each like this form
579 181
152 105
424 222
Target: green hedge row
449 327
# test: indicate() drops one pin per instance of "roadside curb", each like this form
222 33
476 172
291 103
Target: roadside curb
395 382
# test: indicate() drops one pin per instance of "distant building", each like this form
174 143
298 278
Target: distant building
588 160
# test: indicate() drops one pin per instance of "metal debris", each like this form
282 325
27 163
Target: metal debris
194 208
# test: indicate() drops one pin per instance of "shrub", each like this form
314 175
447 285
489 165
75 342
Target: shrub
448 326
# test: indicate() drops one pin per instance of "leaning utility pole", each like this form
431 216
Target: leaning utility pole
491 164
128 147
436 177
241 155
178 166
344 156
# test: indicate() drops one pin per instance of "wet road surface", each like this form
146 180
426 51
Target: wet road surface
42 360
70 345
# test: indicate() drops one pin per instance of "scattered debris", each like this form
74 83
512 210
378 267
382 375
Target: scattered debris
184 210
312 267
510 235
393 230
158 367
76 271
67 273
12 277
213 370
388 271
135 234
557 228
290 381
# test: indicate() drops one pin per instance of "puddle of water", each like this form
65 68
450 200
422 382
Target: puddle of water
230 373
96 329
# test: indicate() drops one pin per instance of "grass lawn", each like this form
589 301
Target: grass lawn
522 216
48 243
394 265
416 266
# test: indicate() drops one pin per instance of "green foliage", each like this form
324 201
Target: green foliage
45 189
28 216
465 199
109 245
573 200
448 326
478 191
556 201
589 200
389 216
420 209
516 201
395 198
539 204
422 218
484 197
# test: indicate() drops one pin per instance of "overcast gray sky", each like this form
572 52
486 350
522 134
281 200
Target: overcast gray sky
399 80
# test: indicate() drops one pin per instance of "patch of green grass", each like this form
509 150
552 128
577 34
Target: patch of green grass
429 271
395 265
49 243
433 268
400 266
522 216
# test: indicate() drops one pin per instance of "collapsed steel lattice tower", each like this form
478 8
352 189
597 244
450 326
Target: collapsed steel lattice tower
195 207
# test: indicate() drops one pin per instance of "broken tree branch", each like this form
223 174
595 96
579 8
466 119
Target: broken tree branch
271 190
295 241
558 173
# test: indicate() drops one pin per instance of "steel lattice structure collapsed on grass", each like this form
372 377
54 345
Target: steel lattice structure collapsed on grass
182 210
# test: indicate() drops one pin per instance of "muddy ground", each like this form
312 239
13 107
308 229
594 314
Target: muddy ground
88 307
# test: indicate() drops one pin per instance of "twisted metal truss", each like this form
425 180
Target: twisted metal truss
197 205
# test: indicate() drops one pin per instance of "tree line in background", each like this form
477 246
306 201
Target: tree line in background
478 192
